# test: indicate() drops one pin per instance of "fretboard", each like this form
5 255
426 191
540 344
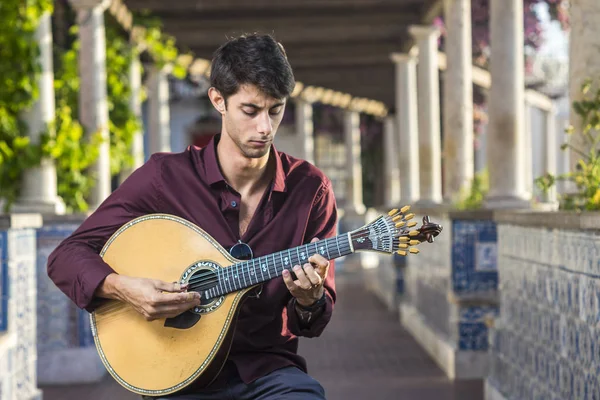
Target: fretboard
249 273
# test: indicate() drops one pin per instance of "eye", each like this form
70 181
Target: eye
249 113
275 111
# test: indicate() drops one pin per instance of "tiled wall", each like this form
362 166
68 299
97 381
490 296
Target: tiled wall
61 326
451 284
545 343
18 354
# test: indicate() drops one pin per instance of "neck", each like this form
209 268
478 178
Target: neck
244 174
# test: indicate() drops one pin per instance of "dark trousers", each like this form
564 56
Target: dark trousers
288 383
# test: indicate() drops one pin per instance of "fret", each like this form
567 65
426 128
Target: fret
244 274
237 275
327 249
253 272
291 258
226 273
276 266
285 262
211 293
268 268
337 243
219 275
261 269
303 255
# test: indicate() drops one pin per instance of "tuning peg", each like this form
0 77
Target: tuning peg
413 250
413 233
403 239
409 216
411 224
414 242
403 246
396 218
401 252
392 212
400 224
404 209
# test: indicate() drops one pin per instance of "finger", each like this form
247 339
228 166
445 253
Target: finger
170 286
312 275
169 311
301 278
320 263
289 281
314 240
176 298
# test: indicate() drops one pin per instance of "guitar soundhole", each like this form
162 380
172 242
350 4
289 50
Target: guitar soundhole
202 276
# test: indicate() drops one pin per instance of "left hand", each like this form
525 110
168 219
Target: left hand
308 287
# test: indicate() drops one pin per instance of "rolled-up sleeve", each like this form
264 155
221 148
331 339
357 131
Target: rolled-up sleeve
323 225
75 266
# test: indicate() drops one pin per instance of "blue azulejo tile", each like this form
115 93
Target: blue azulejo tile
474 256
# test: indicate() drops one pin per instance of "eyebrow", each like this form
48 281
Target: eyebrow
260 108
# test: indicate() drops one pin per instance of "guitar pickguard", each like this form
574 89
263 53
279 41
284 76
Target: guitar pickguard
203 273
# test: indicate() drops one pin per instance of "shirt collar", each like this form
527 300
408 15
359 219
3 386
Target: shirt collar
213 171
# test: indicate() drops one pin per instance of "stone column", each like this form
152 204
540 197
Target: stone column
428 83
390 154
584 61
159 128
305 130
458 100
407 120
549 155
506 135
93 106
354 195
38 191
135 104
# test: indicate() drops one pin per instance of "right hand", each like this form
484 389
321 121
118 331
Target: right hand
155 299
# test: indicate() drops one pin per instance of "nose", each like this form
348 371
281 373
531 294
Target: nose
265 127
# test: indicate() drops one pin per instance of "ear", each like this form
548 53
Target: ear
217 100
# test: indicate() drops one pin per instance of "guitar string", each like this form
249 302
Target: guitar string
204 281
215 279
200 281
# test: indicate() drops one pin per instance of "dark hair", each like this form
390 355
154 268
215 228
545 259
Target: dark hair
252 59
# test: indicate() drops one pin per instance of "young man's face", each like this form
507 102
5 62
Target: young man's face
251 120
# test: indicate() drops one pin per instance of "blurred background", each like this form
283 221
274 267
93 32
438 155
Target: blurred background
482 114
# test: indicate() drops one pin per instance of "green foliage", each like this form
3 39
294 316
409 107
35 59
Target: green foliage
19 89
586 176
472 199
123 123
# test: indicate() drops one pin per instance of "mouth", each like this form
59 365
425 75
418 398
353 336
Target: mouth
259 143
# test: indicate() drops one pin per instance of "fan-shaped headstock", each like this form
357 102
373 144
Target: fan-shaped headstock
392 233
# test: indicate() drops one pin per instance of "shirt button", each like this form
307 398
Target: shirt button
233 204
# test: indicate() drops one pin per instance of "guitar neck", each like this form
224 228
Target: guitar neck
252 272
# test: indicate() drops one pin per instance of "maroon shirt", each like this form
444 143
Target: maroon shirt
298 206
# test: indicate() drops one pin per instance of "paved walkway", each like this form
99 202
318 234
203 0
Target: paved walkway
363 354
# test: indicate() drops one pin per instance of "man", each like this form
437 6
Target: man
245 194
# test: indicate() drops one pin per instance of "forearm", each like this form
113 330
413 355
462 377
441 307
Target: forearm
312 324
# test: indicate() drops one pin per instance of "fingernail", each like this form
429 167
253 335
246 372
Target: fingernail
286 272
296 268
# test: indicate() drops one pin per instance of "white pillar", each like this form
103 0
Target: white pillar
549 155
305 130
354 194
430 157
135 104
458 100
584 62
407 120
93 105
506 135
390 154
38 191
159 128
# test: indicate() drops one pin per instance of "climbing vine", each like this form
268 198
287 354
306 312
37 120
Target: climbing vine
65 140
19 89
